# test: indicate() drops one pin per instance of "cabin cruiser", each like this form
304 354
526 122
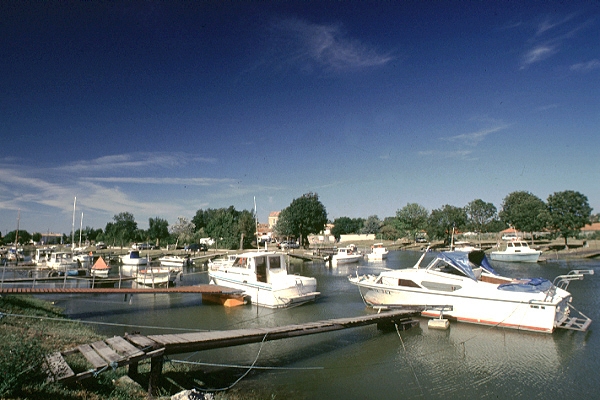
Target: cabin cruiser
263 277
63 262
464 287
515 251
346 255
378 252
173 261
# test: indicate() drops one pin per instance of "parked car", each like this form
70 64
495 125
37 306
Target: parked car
196 247
100 246
288 245
421 239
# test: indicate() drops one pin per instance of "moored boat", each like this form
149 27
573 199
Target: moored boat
516 251
100 268
347 255
263 276
156 276
63 263
173 261
378 252
464 287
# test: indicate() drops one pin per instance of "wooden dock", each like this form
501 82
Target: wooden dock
129 350
200 289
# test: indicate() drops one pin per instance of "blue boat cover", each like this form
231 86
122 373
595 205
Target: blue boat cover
530 285
464 261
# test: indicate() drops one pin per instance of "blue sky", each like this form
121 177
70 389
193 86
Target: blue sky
162 108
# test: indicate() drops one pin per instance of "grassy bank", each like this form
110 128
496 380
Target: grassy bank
31 328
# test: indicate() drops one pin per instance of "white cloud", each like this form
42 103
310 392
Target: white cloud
327 46
473 138
586 66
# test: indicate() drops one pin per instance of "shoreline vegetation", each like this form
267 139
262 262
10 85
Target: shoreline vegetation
31 328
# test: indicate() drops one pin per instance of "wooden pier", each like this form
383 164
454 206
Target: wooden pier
131 349
201 289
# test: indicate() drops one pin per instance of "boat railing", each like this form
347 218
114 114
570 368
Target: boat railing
562 281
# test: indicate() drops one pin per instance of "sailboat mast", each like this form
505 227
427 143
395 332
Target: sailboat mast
80 228
17 233
256 221
73 227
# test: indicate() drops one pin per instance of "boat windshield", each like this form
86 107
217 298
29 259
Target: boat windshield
464 262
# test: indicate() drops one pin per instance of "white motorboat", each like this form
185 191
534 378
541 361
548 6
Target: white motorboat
42 255
346 255
156 276
378 252
173 261
134 258
218 262
516 251
263 277
84 260
63 262
464 287
100 269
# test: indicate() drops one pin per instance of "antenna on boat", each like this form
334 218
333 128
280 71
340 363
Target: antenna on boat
80 228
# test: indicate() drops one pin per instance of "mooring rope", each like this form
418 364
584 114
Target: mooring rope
78 321
409 362
244 366
245 373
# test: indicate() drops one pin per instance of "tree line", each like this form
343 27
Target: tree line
563 213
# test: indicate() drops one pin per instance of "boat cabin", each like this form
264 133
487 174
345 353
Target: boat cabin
263 266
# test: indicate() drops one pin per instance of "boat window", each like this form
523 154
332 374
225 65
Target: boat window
241 262
261 269
517 244
407 282
274 262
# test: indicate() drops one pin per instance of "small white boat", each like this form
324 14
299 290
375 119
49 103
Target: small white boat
263 277
516 251
134 258
173 261
156 276
63 262
378 252
100 269
42 255
84 260
218 262
464 247
347 255
464 287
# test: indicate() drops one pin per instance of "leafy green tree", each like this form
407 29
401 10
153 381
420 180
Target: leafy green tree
23 237
524 211
36 237
441 221
411 219
158 229
122 230
480 214
569 211
372 225
305 215
229 227
345 225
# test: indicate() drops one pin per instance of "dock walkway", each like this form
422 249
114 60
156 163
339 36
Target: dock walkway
201 289
129 350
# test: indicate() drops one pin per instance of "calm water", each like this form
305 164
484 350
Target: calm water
466 361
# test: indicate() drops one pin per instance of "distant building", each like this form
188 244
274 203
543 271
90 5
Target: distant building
590 229
273 218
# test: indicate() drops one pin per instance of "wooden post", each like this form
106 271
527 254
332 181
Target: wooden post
132 371
156 364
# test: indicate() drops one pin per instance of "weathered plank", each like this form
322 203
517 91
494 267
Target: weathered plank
106 352
124 347
142 341
58 367
91 355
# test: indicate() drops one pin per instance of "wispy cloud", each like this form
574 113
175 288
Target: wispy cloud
586 66
134 161
473 138
161 181
549 38
327 46
459 154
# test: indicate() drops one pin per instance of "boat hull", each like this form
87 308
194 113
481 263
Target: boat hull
299 290
532 257
522 314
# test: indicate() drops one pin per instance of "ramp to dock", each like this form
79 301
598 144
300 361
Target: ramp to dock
130 349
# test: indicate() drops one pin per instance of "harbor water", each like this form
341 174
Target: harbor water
465 361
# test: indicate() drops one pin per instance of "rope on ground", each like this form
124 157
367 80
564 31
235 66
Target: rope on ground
245 373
